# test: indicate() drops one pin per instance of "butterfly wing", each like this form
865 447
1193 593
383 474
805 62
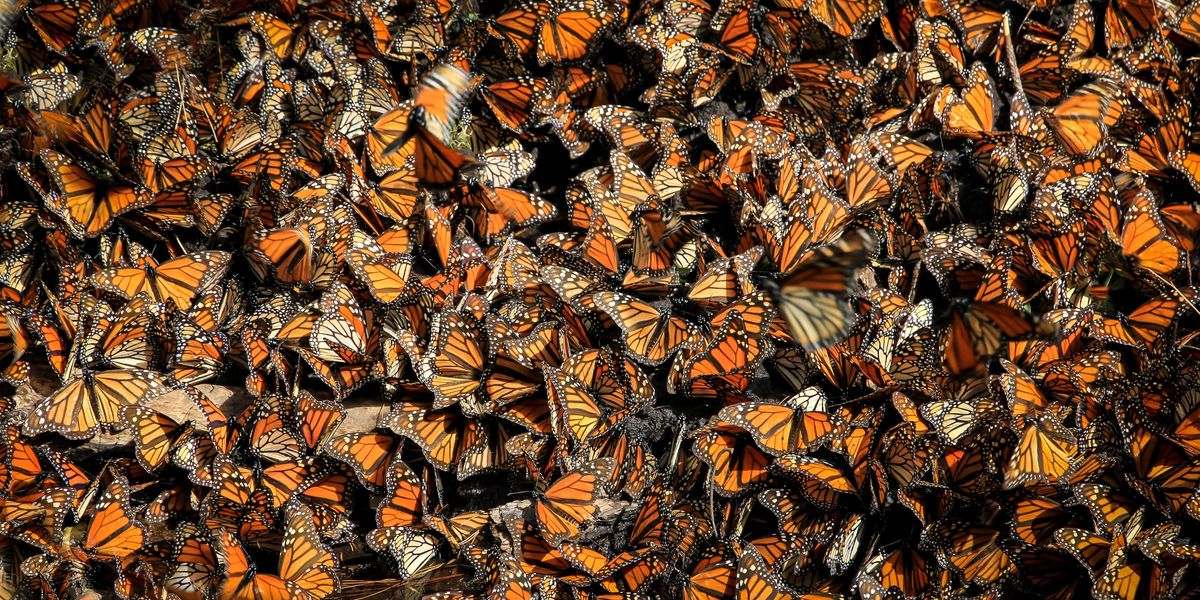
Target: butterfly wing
181 279
306 561
650 335
113 531
813 299
570 501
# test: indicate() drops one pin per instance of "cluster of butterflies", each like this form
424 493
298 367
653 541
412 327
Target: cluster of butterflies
699 298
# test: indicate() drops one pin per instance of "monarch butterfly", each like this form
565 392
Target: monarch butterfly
238 132
453 365
154 435
238 501
1080 122
1035 520
725 279
971 550
635 571
58 23
88 206
266 164
735 347
977 328
434 113
507 579
287 252
566 120
223 431
47 88
516 268
72 478
574 407
342 378
412 549
846 544
82 407
594 391
122 340
1109 507
396 196
423 33
14 340
168 160
756 578
598 247
512 100
903 569
713 577
370 454
20 466
1163 469
436 163
821 483
344 331
1047 570
512 210
570 563
635 472
196 573
570 501
1145 240
113 532
174 500
404 504
740 37
560 31
973 112
270 436
795 514
385 273
812 298
513 374
1126 578
176 281
846 19
91 129
199 355
310 479
167 46
449 440
35 517
867 183
1090 549
778 429
651 336
276 32
734 465
661 240
306 568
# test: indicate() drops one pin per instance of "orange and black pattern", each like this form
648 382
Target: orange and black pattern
651 299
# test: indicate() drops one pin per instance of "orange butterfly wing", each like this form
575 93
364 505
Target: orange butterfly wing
570 502
113 531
